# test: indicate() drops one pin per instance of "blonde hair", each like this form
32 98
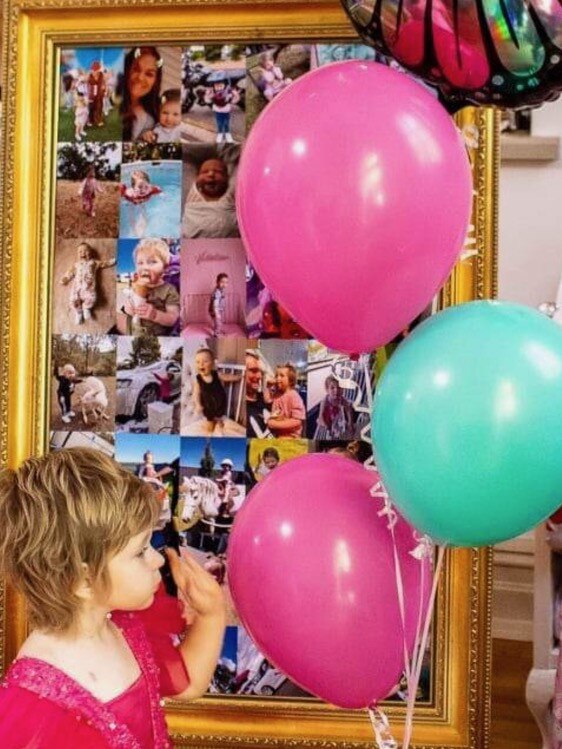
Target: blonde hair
155 246
72 508
68 369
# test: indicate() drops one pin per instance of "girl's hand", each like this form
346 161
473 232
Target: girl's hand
146 311
198 588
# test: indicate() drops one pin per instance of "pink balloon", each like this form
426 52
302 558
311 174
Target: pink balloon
353 198
312 576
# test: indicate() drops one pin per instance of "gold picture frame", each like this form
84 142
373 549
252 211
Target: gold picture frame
33 31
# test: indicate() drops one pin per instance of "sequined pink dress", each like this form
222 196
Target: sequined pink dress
43 708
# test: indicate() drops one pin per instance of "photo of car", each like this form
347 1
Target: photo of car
266 681
137 388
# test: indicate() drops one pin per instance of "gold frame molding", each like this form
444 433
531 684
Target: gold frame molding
459 714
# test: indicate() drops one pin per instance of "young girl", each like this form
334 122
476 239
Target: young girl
157 308
88 191
67 380
209 395
168 129
81 116
221 97
140 190
272 79
83 274
165 384
266 463
106 642
288 411
142 78
137 195
217 304
336 413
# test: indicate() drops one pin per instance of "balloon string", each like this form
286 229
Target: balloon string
418 656
391 522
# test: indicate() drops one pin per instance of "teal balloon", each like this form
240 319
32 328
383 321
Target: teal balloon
467 423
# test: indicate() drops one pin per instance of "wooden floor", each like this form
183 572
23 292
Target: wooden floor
513 726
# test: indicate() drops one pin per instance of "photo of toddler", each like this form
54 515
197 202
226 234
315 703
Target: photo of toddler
209 394
89 188
288 411
152 304
217 304
222 97
336 418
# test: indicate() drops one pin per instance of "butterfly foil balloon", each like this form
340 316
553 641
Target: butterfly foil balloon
504 52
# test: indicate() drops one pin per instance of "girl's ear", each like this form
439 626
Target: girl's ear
84 588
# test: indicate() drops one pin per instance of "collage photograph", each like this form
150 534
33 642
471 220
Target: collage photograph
168 351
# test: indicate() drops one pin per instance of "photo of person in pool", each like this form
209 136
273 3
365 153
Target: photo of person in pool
150 199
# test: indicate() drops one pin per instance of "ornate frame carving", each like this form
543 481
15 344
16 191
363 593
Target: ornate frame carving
459 715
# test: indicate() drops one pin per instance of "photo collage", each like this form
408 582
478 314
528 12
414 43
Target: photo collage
168 352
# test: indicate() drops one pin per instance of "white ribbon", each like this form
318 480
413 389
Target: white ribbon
422 550
381 729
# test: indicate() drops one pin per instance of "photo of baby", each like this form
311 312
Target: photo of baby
149 93
270 70
150 199
148 300
213 387
209 177
285 392
338 402
148 391
265 317
169 127
84 286
87 202
214 93
88 109
83 383
213 288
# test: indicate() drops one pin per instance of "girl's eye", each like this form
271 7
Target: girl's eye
143 551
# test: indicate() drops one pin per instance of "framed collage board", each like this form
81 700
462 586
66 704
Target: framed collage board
133 322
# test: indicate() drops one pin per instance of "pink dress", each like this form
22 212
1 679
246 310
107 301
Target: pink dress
43 708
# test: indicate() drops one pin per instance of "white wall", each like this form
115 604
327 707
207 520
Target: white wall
530 221
530 266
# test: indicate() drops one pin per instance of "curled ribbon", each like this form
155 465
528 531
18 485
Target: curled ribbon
381 729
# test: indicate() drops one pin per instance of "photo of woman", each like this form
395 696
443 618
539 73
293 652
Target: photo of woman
148 73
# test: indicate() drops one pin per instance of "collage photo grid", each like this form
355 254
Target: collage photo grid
168 352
